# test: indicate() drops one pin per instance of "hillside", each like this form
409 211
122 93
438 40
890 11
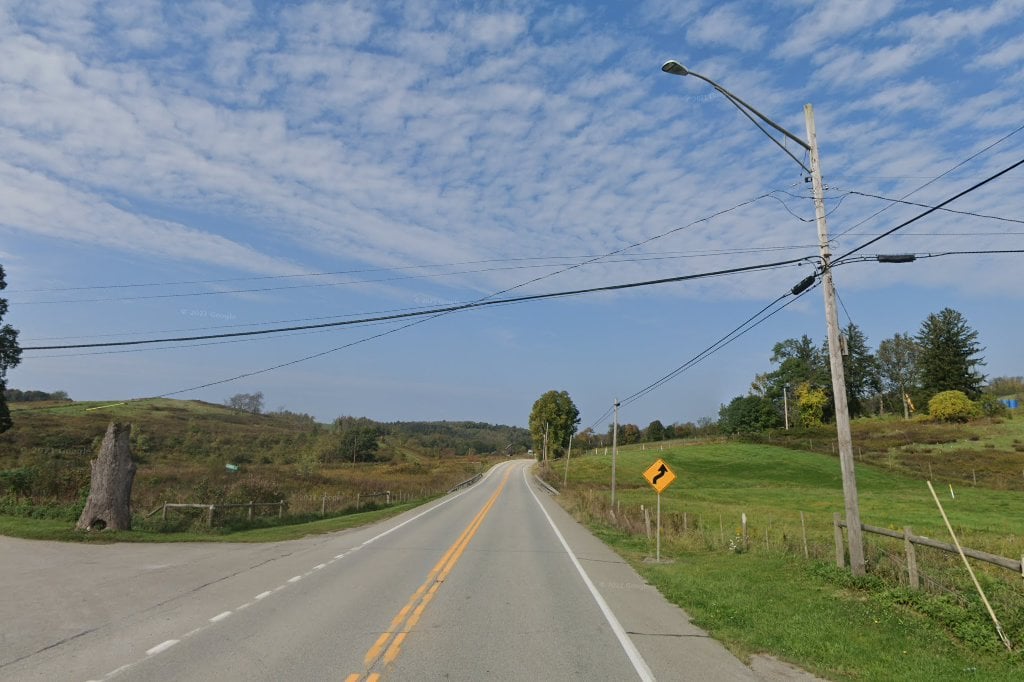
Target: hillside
183 447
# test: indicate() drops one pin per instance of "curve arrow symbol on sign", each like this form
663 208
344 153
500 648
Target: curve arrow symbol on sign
662 470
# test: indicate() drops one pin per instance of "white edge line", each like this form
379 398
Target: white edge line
161 647
639 664
220 616
422 513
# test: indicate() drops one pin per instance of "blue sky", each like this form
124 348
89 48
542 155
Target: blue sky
442 152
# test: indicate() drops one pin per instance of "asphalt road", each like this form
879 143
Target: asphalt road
495 582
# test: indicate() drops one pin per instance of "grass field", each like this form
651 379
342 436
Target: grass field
766 597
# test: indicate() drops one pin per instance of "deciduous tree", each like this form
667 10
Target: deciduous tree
897 368
556 412
10 356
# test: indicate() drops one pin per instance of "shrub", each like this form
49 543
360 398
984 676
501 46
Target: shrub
990 406
952 406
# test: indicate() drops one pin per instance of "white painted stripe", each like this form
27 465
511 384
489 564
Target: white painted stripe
192 632
262 595
114 673
220 616
160 648
639 664
319 566
341 556
295 579
422 513
243 606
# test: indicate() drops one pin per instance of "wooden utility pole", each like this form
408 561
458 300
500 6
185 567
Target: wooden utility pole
615 446
545 448
853 529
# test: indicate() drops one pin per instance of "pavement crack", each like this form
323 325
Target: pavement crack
49 646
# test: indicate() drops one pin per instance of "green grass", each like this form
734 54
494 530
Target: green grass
811 615
769 598
62 531
772 485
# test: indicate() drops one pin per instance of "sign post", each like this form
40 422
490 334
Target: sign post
660 477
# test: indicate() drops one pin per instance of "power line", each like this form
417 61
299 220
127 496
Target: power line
935 179
949 210
746 326
432 311
425 319
931 210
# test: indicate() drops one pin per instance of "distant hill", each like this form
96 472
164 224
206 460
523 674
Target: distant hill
196 431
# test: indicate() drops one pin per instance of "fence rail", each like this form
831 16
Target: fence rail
910 539
468 482
211 508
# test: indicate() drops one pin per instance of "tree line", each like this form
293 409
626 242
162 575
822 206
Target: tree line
901 375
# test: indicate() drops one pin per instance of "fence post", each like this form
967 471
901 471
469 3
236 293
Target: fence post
252 509
323 505
686 523
743 520
280 509
803 531
840 550
908 543
647 520
209 517
163 513
387 497
358 495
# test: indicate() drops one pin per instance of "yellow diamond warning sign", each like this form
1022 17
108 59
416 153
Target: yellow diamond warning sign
659 476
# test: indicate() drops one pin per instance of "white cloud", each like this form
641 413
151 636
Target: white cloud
1010 53
829 20
726 25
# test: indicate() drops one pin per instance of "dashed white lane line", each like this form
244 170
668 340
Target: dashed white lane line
160 648
164 646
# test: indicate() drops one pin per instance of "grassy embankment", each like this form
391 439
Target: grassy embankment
181 448
764 596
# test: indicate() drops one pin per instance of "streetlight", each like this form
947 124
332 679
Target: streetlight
831 314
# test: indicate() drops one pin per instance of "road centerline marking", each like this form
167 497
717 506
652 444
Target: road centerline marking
386 648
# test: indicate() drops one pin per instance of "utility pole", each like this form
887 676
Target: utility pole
853 529
785 403
615 444
545 449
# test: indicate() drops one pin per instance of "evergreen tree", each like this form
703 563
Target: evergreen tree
861 371
949 357
10 356
655 431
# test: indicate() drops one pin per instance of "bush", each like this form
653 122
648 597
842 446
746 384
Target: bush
952 406
990 406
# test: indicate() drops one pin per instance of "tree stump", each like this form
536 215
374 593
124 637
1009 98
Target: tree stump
110 484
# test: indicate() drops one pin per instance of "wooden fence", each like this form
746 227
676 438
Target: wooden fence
211 509
909 540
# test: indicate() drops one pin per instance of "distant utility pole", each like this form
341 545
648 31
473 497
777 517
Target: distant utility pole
615 443
785 403
545 449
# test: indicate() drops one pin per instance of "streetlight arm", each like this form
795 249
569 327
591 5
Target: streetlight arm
678 69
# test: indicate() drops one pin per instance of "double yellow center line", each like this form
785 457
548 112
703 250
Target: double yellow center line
387 647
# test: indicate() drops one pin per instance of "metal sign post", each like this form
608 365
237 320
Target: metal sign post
660 477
